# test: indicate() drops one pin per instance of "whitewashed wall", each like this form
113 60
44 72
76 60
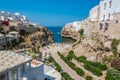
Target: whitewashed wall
93 15
77 25
115 8
117 5
106 11
36 73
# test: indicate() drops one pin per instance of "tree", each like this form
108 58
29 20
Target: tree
12 28
23 32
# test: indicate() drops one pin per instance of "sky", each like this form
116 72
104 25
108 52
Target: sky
50 12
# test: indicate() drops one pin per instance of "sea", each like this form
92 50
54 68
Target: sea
56 30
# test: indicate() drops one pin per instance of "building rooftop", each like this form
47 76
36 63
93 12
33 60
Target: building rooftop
9 59
51 73
35 63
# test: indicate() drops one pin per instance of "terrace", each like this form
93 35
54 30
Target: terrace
9 60
17 67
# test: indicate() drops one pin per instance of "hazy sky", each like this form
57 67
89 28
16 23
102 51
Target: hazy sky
50 12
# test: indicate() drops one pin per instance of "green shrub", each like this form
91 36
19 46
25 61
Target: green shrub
50 59
66 76
93 69
112 74
81 59
103 67
99 65
89 78
114 45
23 32
79 71
58 68
70 55
72 65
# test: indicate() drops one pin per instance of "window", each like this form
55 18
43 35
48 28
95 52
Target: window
106 26
101 26
23 69
108 17
2 77
14 75
103 17
116 21
110 4
105 6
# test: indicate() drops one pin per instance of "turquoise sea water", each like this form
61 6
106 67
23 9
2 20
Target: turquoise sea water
57 35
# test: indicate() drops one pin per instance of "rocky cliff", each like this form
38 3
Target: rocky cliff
36 39
31 36
96 43
69 31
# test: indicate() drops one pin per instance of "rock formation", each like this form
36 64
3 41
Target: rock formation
95 42
69 31
32 36
37 39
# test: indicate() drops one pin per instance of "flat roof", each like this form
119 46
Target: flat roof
9 59
35 63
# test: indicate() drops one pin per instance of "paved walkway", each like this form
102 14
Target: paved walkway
63 65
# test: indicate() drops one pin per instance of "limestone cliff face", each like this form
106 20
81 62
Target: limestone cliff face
69 31
37 39
32 36
95 42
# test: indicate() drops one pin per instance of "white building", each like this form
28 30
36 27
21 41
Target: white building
108 8
2 38
17 67
14 19
94 13
77 25
51 73
2 18
9 37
